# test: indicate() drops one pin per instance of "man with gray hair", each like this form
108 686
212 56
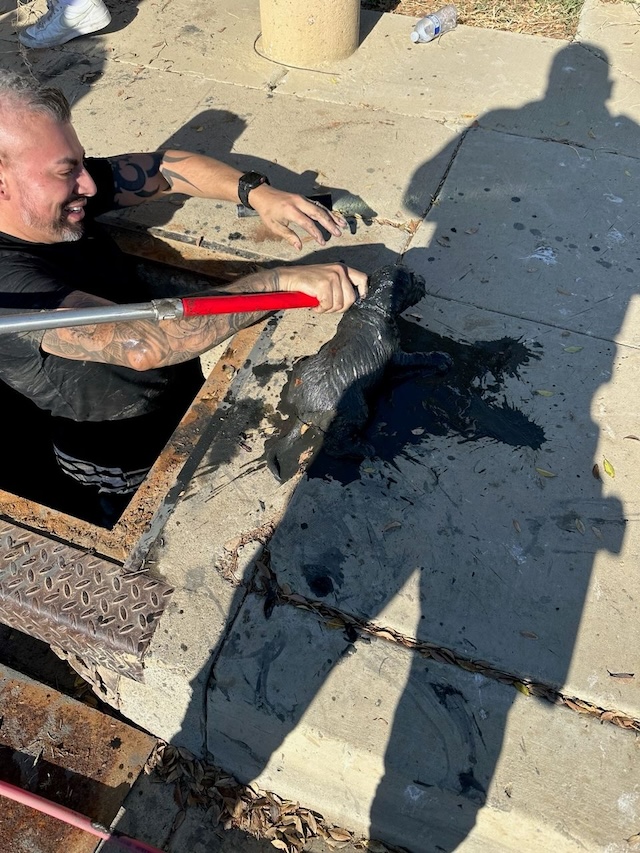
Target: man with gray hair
116 391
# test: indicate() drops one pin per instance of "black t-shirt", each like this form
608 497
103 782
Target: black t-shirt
40 276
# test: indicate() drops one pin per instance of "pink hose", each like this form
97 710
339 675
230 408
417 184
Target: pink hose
72 818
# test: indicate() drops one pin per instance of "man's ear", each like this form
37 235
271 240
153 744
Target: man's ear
4 190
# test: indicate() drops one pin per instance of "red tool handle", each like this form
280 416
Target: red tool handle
199 305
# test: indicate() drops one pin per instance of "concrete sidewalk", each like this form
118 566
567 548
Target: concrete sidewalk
450 662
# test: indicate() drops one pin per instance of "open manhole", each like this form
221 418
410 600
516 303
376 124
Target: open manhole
81 588
34 492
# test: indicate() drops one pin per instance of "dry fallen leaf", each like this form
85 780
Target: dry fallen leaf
573 349
580 526
543 393
516 525
443 656
578 706
385 635
596 471
621 676
528 635
544 473
340 834
608 468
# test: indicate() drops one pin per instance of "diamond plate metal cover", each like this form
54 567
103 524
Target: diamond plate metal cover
77 601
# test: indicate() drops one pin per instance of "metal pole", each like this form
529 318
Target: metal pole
156 310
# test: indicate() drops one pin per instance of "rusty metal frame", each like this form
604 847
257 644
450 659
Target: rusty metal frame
70 753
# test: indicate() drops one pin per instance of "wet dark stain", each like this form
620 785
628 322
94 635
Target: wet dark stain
454 703
324 578
227 427
264 372
444 691
470 787
320 585
515 198
519 226
468 404
536 232
606 264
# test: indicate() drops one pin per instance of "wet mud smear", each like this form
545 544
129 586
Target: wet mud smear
469 404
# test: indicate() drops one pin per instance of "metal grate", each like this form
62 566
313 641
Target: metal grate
77 601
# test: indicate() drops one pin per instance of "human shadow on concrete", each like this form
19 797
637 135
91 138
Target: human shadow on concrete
504 604
431 518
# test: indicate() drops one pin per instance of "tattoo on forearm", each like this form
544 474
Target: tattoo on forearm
143 345
173 175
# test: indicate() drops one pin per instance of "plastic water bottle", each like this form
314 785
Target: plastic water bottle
434 25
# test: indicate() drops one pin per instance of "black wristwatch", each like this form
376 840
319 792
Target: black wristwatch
249 181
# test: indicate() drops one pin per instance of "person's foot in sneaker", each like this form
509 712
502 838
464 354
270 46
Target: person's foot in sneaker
66 20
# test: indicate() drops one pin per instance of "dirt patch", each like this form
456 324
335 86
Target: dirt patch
550 18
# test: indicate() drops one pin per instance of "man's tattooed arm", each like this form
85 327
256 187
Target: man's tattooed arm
145 177
144 344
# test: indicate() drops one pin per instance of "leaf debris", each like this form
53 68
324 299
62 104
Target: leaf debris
261 814
544 473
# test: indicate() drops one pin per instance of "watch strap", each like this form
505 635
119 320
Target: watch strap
249 181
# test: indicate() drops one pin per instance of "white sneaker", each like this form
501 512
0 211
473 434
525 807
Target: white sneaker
62 23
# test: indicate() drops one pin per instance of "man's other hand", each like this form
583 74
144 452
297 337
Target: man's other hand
279 210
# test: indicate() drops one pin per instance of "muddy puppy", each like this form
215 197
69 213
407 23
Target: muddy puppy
329 390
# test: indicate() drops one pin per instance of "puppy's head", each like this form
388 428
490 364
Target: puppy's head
394 288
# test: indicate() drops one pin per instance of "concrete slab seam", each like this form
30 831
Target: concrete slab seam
274 594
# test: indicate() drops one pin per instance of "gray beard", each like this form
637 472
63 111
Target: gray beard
70 235
62 232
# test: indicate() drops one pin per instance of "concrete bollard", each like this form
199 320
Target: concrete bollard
297 32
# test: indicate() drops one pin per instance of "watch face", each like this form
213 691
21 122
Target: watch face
253 179
249 181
